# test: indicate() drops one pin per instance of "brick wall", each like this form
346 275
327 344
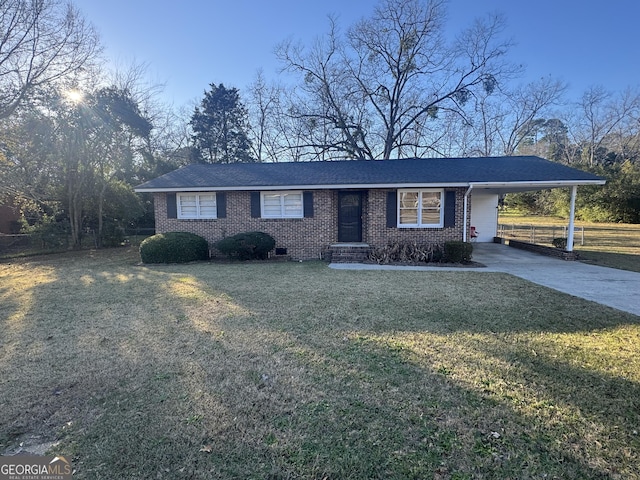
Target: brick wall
377 234
307 238
304 238
543 249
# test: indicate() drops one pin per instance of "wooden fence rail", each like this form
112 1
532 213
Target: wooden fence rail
606 235
543 234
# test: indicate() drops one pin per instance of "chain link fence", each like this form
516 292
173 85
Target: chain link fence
26 244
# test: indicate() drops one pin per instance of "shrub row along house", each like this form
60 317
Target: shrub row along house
324 209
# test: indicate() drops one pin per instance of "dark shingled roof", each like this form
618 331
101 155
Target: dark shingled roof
342 174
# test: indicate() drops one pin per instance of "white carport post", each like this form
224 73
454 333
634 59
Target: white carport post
466 212
572 213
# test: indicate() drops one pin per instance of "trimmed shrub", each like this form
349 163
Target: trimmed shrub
174 247
457 252
247 246
560 243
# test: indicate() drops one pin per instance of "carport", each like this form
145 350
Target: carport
483 215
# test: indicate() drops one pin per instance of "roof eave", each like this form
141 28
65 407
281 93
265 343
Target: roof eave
539 183
543 184
345 186
501 188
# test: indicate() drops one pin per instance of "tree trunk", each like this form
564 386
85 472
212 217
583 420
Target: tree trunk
100 215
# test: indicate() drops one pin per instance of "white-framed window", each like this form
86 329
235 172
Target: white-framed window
281 205
420 208
197 205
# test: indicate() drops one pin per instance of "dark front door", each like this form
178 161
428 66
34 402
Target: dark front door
349 216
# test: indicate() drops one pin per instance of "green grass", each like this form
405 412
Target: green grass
614 245
287 370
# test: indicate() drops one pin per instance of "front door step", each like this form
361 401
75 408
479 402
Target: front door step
347 252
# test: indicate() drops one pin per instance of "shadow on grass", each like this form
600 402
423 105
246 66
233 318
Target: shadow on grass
446 428
551 414
295 371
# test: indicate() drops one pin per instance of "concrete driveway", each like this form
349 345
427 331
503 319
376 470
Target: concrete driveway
615 288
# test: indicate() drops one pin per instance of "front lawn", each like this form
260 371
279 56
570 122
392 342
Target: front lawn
288 370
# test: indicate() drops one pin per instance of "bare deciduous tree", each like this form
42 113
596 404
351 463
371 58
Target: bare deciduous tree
372 92
40 41
267 135
521 107
605 120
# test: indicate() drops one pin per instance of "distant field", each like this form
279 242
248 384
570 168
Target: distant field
612 244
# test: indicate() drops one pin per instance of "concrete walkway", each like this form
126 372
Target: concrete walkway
609 286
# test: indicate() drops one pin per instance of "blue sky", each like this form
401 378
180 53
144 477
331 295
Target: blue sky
192 43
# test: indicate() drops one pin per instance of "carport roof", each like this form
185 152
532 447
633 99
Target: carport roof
492 173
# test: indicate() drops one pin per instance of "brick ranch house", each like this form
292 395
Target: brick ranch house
315 209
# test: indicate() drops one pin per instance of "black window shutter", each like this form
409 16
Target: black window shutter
307 204
172 206
392 209
449 208
255 204
221 204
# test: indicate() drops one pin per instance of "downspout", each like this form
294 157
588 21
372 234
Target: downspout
466 209
572 214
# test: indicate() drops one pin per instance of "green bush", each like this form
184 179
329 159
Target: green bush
559 242
458 252
112 234
247 246
174 247
50 233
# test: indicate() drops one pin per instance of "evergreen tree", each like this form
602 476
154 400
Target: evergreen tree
220 127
